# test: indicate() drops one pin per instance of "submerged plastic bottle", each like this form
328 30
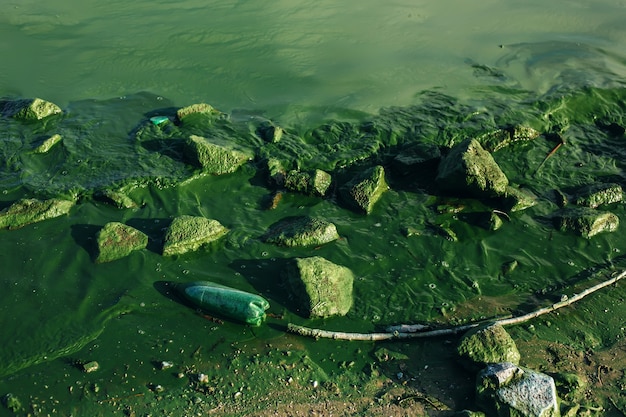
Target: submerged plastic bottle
225 301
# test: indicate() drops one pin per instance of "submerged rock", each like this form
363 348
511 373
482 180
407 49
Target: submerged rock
365 189
189 233
487 344
117 240
586 222
27 211
596 195
215 156
48 143
323 288
314 183
504 389
470 170
29 109
301 231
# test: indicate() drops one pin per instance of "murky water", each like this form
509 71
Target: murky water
301 64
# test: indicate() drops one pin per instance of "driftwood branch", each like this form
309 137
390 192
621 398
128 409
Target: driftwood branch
405 331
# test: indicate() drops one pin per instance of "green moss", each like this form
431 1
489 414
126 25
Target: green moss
117 240
189 233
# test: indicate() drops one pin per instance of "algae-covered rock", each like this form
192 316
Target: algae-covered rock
29 109
12 402
118 199
31 210
517 199
323 288
365 189
315 182
505 389
215 156
199 108
599 194
420 157
269 132
502 138
117 240
468 169
301 231
490 221
47 144
276 171
586 222
485 345
189 233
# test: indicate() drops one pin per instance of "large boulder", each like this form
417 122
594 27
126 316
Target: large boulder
29 109
215 156
117 240
189 233
30 210
504 389
365 189
586 222
301 231
323 288
314 183
470 170
487 344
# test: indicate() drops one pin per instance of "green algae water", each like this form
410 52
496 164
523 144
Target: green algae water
353 85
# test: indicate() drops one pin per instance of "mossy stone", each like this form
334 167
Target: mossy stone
30 210
323 288
30 109
215 156
365 189
596 195
301 231
485 345
47 144
517 199
198 108
470 170
314 183
189 233
586 222
117 240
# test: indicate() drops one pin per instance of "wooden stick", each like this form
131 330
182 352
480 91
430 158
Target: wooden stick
329 334
558 145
